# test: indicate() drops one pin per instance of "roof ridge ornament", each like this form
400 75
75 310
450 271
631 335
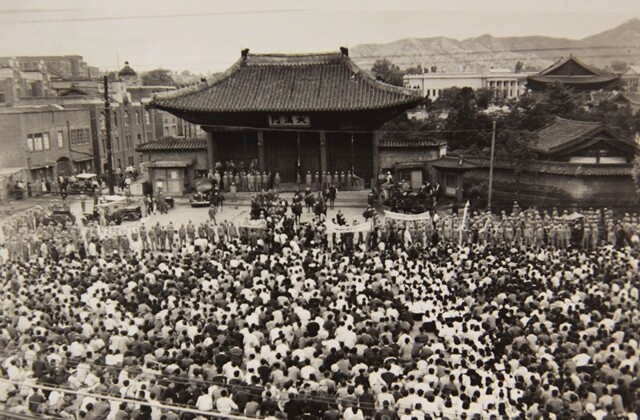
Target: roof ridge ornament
344 51
244 53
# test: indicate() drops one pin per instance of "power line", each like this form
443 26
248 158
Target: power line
176 15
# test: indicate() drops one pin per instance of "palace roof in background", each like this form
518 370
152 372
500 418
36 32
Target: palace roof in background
288 83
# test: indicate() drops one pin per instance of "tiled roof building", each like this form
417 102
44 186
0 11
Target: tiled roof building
573 73
281 83
292 113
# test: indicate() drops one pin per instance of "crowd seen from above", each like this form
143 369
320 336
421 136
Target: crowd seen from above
522 315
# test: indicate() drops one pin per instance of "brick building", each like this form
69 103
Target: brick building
47 140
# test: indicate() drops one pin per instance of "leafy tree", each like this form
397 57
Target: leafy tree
561 101
518 67
514 147
386 71
619 66
158 77
484 97
414 70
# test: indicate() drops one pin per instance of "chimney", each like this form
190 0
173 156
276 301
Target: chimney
344 51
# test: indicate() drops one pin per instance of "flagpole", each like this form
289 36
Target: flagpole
493 147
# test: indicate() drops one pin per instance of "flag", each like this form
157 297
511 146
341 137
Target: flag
464 220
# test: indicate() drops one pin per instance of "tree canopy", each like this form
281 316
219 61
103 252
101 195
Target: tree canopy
158 77
384 70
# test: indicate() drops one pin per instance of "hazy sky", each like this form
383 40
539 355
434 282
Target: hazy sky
206 36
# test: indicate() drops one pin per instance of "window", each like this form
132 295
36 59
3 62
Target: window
45 141
115 119
126 118
60 140
128 140
130 160
137 117
148 136
139 138
79 136
146 117
37 142
173 174
102 124
30 143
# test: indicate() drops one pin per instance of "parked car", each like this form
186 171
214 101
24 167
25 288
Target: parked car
202 196
59 216
116 209
85 183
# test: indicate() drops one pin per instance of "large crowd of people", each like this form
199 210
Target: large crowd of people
522 315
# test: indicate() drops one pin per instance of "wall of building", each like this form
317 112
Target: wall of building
131 126
39 140
389 157
507 85
199 156
557 190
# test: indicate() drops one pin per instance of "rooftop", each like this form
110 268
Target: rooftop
173 145
564 133
288 83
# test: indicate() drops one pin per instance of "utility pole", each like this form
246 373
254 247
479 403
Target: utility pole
107 123
493 147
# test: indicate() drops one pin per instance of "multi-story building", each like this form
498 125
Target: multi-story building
506 84
65 67
48 140
16 83
631 79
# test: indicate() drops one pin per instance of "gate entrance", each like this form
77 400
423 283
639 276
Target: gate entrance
290 152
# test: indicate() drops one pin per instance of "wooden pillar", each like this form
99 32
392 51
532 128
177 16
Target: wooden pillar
376 157
211 151
323 152
261 154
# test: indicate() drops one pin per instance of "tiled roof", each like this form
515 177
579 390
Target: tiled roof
410 143
173 145
573 80
450 162
288 83
563 133
171 164
538 167
563 168
568 61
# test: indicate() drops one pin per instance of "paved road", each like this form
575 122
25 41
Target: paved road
183 213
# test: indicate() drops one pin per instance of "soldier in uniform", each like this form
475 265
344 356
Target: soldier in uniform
182 235
158 229
162 238
152 238
191 231
142 233
171 232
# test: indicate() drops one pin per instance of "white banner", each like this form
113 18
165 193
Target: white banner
407 217
252 224
122 230
362 227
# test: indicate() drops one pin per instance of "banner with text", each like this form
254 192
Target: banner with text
252 224
407 217
122 230
362 227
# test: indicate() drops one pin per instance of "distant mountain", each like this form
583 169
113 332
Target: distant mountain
620 44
